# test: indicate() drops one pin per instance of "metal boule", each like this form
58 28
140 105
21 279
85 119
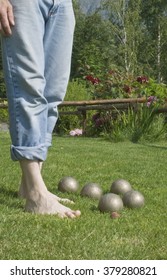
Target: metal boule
133 199
68 184
92 190
120 186
110 202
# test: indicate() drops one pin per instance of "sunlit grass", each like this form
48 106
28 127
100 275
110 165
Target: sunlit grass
137 234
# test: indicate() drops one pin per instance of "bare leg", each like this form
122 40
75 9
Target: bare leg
22 189
38 199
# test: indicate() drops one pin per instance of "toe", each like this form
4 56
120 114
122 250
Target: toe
77 213
70 214
73 214
62 216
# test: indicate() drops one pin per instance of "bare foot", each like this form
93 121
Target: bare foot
22 189
22 194
38 199
46 204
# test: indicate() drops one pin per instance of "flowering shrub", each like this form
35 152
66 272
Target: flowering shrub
115 124
114 84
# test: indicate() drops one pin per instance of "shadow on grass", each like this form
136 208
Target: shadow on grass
8 193
155 146
9 198
94 208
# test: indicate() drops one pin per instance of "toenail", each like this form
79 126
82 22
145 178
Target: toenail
78 213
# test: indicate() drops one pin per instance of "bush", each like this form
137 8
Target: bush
115 84
134 124
2 86
4 115
76 91
3 112
140 125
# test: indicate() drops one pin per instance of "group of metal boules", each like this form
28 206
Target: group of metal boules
120 194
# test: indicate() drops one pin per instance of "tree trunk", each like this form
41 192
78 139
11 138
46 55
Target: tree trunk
159 53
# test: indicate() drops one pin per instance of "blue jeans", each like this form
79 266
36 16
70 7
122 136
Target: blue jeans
37 61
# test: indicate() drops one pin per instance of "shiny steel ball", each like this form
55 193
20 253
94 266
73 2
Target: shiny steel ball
68 184
133 199
110 202
120 186
92 190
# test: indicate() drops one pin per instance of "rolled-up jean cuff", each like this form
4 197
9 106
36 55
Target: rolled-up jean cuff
31 153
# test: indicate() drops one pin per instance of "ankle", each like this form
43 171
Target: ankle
35 194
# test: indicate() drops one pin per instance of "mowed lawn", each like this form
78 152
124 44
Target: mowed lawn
137 234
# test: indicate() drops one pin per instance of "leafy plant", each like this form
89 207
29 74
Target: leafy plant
139 124
76 91
2 86
115 84
3 115
3 112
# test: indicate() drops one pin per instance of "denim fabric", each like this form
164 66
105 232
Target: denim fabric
37 61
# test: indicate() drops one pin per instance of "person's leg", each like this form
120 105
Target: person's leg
24 64
23 190
57 52
58 41
38 200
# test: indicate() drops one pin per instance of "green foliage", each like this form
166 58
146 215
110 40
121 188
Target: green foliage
3 112
4 115
154 15
2 85
124 35
124 17
116 124
116 84
142 124
66 123
76 91
137 123
93 43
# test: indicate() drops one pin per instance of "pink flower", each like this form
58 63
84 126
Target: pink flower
72 132
76 132
150 100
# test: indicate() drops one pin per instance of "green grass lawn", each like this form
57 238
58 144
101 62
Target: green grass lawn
137 234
